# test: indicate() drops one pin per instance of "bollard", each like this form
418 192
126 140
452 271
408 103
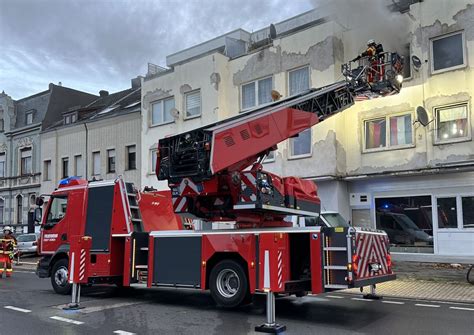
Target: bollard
78 268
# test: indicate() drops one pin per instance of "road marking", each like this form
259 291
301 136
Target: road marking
18 309
426 305
59 318
463 308
362 299
123 332
334 297
393 302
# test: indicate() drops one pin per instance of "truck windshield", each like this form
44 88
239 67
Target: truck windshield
335 220
57 210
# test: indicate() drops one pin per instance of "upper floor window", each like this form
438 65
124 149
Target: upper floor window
29 117
448 52
78 166
161 111
65 166
300 146
298 80
270 157
47 170
131 157
70 118
388 132
25 161
193 104
2 125
256 93
451 123
111 161
153 153
2 164
96 163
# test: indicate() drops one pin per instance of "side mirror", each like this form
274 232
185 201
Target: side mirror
38 213
39 201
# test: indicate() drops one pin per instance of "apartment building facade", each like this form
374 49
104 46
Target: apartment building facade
20 170
373 163
99 140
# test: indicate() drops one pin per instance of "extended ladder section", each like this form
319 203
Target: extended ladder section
236 143
135 215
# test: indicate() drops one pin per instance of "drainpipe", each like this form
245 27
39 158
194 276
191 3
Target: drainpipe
86 156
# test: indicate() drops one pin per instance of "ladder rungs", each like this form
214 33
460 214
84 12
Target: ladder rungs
144 248
335 249
141 266
133 207
335 267
136 220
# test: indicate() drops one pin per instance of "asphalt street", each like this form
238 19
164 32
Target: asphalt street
28 305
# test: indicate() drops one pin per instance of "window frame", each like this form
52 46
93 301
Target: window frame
114 159
452 68
2 125
186 117
310 154
64 160
127 158
50 204
27 114
459 210
271 160
151 167
162 102
30 148
468 137
47 176
255 81
94 173
4 154
296 69
388 147
76 165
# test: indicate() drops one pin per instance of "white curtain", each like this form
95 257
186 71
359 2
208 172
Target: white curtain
248 95
298 80
264 91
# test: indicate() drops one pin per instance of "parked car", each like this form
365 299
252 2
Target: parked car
27 243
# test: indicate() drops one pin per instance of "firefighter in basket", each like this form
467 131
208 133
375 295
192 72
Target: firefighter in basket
375 56
7 247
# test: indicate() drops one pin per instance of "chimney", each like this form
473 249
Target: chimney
103 93
137 82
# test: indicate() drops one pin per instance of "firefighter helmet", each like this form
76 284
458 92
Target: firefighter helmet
370 42
7 228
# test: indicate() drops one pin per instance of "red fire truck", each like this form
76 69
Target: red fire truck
215 175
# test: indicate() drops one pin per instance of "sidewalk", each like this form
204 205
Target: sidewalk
427 281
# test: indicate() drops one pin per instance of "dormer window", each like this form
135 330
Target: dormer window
29 117
70 118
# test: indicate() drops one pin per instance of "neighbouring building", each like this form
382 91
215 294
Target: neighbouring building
20 172
98 140
373 163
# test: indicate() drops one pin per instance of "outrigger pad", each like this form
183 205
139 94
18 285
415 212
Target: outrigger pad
275 329
372 296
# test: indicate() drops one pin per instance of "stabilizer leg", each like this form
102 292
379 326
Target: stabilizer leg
373 294
270 327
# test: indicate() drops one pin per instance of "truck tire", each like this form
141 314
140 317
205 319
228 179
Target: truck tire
228 284
59 277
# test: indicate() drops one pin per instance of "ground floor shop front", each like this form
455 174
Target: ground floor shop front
426 214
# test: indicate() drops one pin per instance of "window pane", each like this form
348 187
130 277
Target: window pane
264 91
400 130
193 104
153 160
131 157
111 161
169 105
270 157
447 213
301 145
407 222
447 52
157 113
78 165
96 163
298 80
2 164
375 134
2 209
47 170
248 95
468 212
65 167
452 122
57 210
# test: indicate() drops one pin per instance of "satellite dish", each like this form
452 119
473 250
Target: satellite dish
273 32
416 62
174 112
422 116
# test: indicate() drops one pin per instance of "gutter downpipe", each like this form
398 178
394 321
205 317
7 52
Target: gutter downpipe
87 144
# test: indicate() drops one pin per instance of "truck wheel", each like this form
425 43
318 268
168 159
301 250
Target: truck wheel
228 284
59 277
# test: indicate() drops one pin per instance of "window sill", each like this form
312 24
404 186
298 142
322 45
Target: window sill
392 148
453 141
131 169
299 156
453 68
160 124
186 118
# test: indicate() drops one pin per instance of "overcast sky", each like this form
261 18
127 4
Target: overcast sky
101 44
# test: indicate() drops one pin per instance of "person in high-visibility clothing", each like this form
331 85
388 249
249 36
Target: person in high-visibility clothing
375 56
7 247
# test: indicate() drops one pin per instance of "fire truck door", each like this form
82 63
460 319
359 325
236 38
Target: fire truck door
99 216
